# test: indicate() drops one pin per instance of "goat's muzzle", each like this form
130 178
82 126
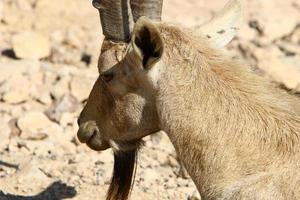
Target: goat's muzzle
89 133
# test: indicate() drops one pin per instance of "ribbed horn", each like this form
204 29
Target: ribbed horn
149 8
114 19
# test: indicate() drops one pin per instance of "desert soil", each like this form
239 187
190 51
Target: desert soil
49 52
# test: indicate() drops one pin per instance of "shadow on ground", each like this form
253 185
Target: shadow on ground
56 191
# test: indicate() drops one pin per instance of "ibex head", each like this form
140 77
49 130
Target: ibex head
121 108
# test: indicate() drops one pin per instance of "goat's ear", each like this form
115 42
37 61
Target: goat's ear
222 28
147 42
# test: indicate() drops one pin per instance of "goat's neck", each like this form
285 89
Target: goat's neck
221 134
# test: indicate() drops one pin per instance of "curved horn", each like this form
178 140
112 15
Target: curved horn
149 8
114 19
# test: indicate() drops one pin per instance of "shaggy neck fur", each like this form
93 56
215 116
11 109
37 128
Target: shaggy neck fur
226 123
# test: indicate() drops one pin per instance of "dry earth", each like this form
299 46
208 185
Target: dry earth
48 59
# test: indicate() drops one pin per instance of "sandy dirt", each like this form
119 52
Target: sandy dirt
49 50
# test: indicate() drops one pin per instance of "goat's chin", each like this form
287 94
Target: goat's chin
98 145
125 146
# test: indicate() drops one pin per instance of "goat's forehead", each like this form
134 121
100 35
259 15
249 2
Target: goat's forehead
111 55
119 59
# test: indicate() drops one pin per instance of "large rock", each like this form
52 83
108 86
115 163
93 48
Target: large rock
15 96
1 10
40 88
42 94
33 125
31 45
66 104
284 70
60 87
277 24
17 67
16 89
81 86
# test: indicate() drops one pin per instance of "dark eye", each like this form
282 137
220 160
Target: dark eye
107 77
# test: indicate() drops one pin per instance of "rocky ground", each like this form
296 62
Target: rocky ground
49 51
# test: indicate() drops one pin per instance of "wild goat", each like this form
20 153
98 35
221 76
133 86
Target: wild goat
236 134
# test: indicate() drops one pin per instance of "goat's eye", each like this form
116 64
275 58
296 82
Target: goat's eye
107 77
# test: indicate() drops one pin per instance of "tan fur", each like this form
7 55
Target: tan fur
236 134
244 133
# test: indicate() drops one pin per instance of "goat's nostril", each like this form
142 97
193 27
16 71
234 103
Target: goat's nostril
78 121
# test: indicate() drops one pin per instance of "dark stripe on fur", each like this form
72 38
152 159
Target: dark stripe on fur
123 175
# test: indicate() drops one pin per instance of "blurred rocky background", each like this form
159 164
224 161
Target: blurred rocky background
49 50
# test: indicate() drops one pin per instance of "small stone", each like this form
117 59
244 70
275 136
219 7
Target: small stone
172 161
86 58
81 86
45 97
31 45
14 129
182 182
162 158
42 94
12 147
183 172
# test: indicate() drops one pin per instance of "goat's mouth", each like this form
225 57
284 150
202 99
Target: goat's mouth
89 133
